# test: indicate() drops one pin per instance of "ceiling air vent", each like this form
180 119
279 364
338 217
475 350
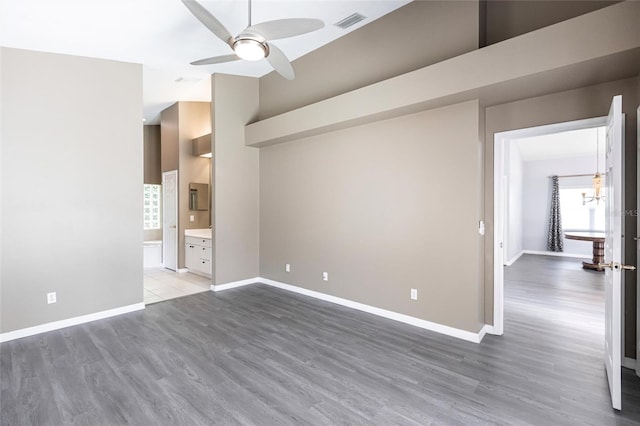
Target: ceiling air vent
350 20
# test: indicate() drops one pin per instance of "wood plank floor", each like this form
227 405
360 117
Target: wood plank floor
259 355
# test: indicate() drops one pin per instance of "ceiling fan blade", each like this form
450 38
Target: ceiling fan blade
208 20
280 62
283 28
216 60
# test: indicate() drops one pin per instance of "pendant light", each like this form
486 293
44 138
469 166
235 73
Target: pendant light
597 178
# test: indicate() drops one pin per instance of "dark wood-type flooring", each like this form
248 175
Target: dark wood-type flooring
259 355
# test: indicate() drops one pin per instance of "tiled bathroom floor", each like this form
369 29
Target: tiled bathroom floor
163 284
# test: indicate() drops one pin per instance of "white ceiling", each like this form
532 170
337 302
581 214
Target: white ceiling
164 36
575 143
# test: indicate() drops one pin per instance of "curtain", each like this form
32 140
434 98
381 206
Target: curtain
554 237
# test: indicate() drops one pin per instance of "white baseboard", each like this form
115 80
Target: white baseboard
558 254
629 363
182 270
56 325
514 258
234 284
428 325
417 322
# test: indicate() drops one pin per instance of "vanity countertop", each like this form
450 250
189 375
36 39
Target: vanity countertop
199 233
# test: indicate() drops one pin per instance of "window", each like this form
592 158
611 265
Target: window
578 217
152 206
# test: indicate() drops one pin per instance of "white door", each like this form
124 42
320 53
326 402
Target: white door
170 220
613 252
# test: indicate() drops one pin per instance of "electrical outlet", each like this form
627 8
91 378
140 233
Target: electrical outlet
287 267
192 218
51 298
414 294
325 276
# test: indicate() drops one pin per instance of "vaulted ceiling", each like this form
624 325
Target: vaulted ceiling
164 36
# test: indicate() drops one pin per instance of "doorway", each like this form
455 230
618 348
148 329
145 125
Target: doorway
501 141
614 206
167 281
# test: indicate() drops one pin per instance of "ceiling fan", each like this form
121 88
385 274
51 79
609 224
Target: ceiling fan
254 42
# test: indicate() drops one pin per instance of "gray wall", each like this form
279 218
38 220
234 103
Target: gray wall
194 121
383 208
169 137
587 102
430 30
152 174
71 195
236 203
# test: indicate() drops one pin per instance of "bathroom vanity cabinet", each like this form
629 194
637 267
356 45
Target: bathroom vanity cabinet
198 255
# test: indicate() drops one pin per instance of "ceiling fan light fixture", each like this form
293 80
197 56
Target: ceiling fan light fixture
250 49
254 43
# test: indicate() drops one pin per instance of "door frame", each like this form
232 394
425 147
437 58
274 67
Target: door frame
499 141
637 362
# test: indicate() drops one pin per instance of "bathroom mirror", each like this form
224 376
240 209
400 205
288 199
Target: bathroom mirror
198 196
